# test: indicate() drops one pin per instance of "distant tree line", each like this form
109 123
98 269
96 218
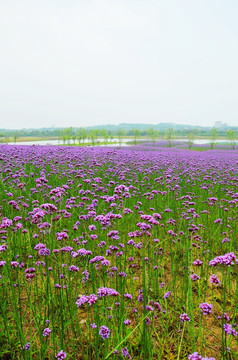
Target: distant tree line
82 135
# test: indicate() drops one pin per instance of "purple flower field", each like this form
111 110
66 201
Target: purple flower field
110 253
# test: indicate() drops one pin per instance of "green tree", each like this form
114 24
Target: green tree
60 135
190 139
15 137
82 134
111 136
93 136
105 135
232 136
68 132
136 134
74 137
213 137
153 134
64 138
120 134
169 135
79 135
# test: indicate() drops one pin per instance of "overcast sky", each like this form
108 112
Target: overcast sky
88 62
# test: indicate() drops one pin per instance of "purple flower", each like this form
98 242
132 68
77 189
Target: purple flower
40 246
214 280
127 322
125 353
43 252
46 332
128 296
103 291
92 299
62 235
140 296
14 264
26 346
30 273
197 262
148 321
104 332
73 268
206 308
61 355
195 356
194 277
228 329
184 317
227 259
167 295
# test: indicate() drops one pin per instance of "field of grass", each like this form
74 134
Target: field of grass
118 253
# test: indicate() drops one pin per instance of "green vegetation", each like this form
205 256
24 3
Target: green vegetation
136 134
190 140
73 136
120 134
213 137
232 137
118 254
169 135
153 134
117 131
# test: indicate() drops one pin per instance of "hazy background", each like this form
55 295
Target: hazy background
84 62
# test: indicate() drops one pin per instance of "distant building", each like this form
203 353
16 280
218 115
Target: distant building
220 125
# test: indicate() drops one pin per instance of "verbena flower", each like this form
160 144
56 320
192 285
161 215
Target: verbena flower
228 329
167 295
46 332
61 355
206 308
184 317
214 280
104 332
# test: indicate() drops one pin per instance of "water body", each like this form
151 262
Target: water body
115 142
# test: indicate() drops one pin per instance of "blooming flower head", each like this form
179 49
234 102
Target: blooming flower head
197 262
206 308
61 355
167 295
228 329
128 296
194 277
46 332
125 353
184 317
214 280
104 332
227 259
26 346
196 356
103 291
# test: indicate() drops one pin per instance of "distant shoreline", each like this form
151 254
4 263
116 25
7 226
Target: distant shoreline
140 138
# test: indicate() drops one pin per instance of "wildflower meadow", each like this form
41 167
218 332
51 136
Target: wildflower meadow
118 253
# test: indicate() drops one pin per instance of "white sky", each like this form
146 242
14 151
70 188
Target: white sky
88 62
